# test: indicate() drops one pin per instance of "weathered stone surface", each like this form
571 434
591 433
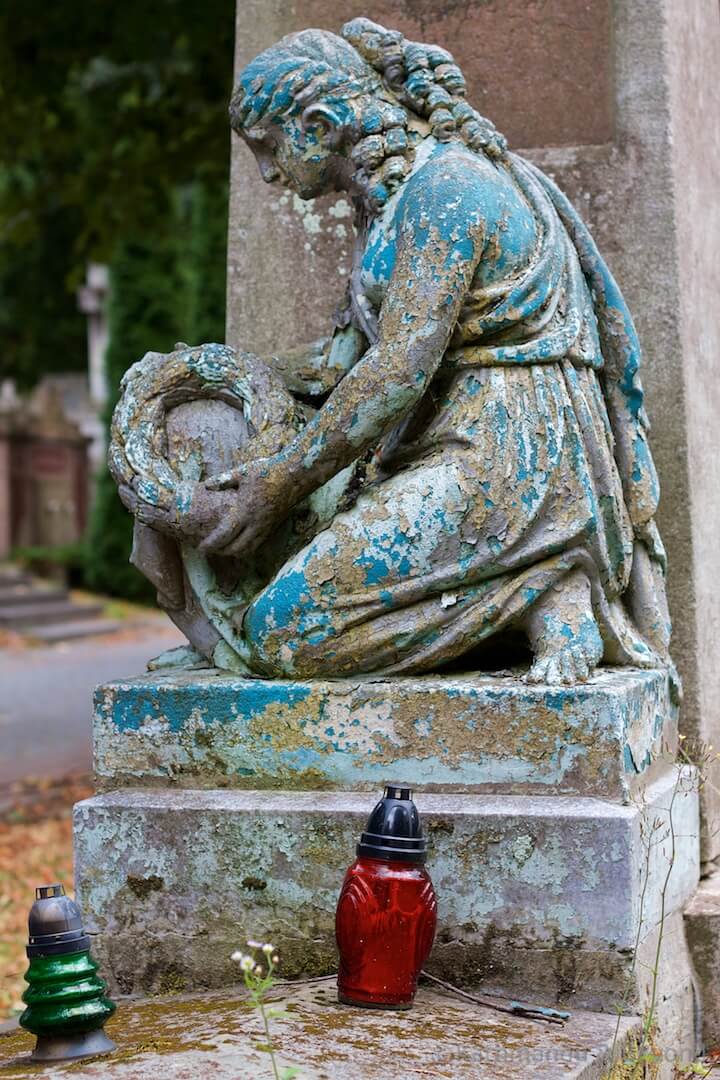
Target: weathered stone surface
532 890
460 733
542 97
662 248
188 1038
663 142
672 997
702 927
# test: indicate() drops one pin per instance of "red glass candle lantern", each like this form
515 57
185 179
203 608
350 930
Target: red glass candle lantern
387 911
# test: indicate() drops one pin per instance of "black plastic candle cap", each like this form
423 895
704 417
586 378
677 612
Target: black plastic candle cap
55 924
393 831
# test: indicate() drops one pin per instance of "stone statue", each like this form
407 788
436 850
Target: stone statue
465 458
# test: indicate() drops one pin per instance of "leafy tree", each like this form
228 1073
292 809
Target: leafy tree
114 146
105 111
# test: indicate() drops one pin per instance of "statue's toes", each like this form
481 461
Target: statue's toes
566 667
582 666
538 673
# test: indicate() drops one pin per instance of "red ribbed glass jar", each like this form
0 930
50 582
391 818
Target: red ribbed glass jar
387 911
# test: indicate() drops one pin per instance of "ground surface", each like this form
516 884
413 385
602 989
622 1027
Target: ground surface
46 695
35 849
442 1037
45 761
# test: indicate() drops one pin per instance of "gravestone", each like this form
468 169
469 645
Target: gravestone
236 775
618 103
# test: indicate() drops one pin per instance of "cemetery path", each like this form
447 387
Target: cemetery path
46 697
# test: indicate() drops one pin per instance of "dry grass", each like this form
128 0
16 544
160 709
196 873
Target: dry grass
35 849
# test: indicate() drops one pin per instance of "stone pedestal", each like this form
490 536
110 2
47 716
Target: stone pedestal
204 729
232 807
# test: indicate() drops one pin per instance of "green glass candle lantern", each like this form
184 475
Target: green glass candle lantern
65 998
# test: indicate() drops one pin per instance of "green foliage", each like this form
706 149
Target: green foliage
165 288
203 270
105 112
70 559
259 978
144 314
113 124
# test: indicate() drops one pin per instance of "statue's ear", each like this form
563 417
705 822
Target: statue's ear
328 120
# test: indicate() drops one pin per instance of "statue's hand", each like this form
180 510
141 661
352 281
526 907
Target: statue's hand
233 478
195 514
255 504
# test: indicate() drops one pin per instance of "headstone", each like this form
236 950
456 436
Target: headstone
9 405
92 301
619 104
49 473
419 575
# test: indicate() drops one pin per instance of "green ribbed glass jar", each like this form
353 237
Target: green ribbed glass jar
65 996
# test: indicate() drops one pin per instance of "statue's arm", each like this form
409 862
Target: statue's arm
439 246
315 369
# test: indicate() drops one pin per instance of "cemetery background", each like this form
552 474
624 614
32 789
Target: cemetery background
114 159
641 195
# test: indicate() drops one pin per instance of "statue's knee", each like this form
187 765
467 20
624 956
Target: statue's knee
285 627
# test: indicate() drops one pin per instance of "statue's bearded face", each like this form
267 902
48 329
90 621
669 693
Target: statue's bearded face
301 157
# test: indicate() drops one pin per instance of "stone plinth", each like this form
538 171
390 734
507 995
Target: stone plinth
443 1037
464 733
702 927
552 893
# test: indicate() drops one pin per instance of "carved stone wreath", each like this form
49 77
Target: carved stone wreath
156 446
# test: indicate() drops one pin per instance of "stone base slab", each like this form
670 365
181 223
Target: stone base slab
702 927
443 1037
532 891
206 729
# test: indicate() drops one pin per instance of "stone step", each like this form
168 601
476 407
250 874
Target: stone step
442 1038
459 733
69 631
21 616
29 594
702 928
13 575
532 891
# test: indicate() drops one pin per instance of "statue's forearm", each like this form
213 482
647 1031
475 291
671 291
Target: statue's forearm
368 402
316 368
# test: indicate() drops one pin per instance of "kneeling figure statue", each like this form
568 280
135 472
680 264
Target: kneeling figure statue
465 457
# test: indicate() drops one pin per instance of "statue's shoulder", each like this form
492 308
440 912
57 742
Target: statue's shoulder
451 187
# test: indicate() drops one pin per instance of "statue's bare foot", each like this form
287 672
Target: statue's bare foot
564 634
183 656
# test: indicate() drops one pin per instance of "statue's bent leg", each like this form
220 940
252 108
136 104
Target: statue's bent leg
564 633
351 600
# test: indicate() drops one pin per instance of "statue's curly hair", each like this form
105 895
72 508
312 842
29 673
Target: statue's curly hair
374 77
426 79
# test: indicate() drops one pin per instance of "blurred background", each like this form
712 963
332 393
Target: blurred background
114 163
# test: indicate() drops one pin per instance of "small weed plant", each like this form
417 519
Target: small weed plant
259 967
